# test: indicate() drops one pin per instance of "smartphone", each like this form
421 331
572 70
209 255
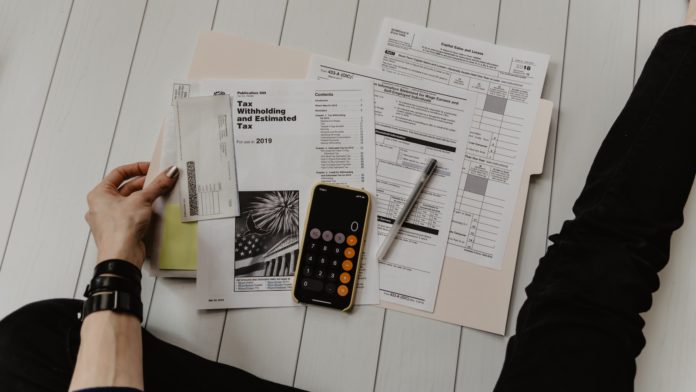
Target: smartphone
332 243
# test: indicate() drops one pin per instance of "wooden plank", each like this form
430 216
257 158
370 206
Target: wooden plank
522 25
30 37
174 318
656 17
322 26
70 152
339 346
481 24
369 21
356 335
264 342
165 46
471 18
481 357
261 20
597 80
666 363
417 354
389 376
546 36
173 315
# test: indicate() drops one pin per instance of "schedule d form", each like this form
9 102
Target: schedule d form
508 84
414 121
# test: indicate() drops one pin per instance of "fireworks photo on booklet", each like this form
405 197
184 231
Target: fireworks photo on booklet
267 235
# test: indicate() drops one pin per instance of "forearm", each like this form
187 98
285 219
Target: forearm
111 352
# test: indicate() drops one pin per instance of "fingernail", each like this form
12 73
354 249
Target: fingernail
172 171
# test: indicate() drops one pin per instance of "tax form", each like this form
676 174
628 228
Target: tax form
414 121
508 84
289 135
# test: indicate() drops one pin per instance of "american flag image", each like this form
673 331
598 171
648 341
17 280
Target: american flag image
248 246
248 255
252 258
266 234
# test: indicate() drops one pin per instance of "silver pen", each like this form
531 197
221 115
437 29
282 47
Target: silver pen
403 214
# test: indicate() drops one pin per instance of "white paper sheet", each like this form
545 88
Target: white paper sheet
206 158
288 136
415 120
508 83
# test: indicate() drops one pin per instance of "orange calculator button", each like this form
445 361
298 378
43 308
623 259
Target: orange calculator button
351 240
342 290
349 253
344 277
347 265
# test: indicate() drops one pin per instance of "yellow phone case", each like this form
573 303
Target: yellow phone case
362 241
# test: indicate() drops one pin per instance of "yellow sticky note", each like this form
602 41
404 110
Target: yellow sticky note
179 243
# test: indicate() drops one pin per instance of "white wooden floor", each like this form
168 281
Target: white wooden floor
83 88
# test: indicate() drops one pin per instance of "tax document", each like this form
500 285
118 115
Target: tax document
508 84
206 158
289 135
414 121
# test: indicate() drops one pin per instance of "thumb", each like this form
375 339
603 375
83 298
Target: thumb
161 185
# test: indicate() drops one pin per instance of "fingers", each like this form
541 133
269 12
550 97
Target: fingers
131 186
122 173
161 185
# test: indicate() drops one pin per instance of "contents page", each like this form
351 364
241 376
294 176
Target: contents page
414 121
508 84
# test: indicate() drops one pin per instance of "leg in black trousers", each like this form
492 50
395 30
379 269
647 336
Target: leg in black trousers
39 343
580 328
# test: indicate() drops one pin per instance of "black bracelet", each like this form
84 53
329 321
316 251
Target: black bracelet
112 283
120 268
117 301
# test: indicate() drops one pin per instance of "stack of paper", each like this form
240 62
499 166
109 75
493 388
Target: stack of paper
469 104
289 135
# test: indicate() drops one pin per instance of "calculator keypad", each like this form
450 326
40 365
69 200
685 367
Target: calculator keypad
329 262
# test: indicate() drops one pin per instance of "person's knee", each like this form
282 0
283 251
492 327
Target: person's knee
34 321
38 345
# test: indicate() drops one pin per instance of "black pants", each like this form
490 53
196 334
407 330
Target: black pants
580 328
38 349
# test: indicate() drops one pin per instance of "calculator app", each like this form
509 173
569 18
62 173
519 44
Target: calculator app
331 247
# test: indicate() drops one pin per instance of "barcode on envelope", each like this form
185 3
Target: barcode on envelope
192 189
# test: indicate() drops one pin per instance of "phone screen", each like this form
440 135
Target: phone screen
332 242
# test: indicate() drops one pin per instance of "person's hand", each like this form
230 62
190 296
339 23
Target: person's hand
120 210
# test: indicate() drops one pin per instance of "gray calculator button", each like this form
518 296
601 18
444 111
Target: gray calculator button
340 238
315 233
327 235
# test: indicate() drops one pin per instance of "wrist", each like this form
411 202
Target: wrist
111 317
131 254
